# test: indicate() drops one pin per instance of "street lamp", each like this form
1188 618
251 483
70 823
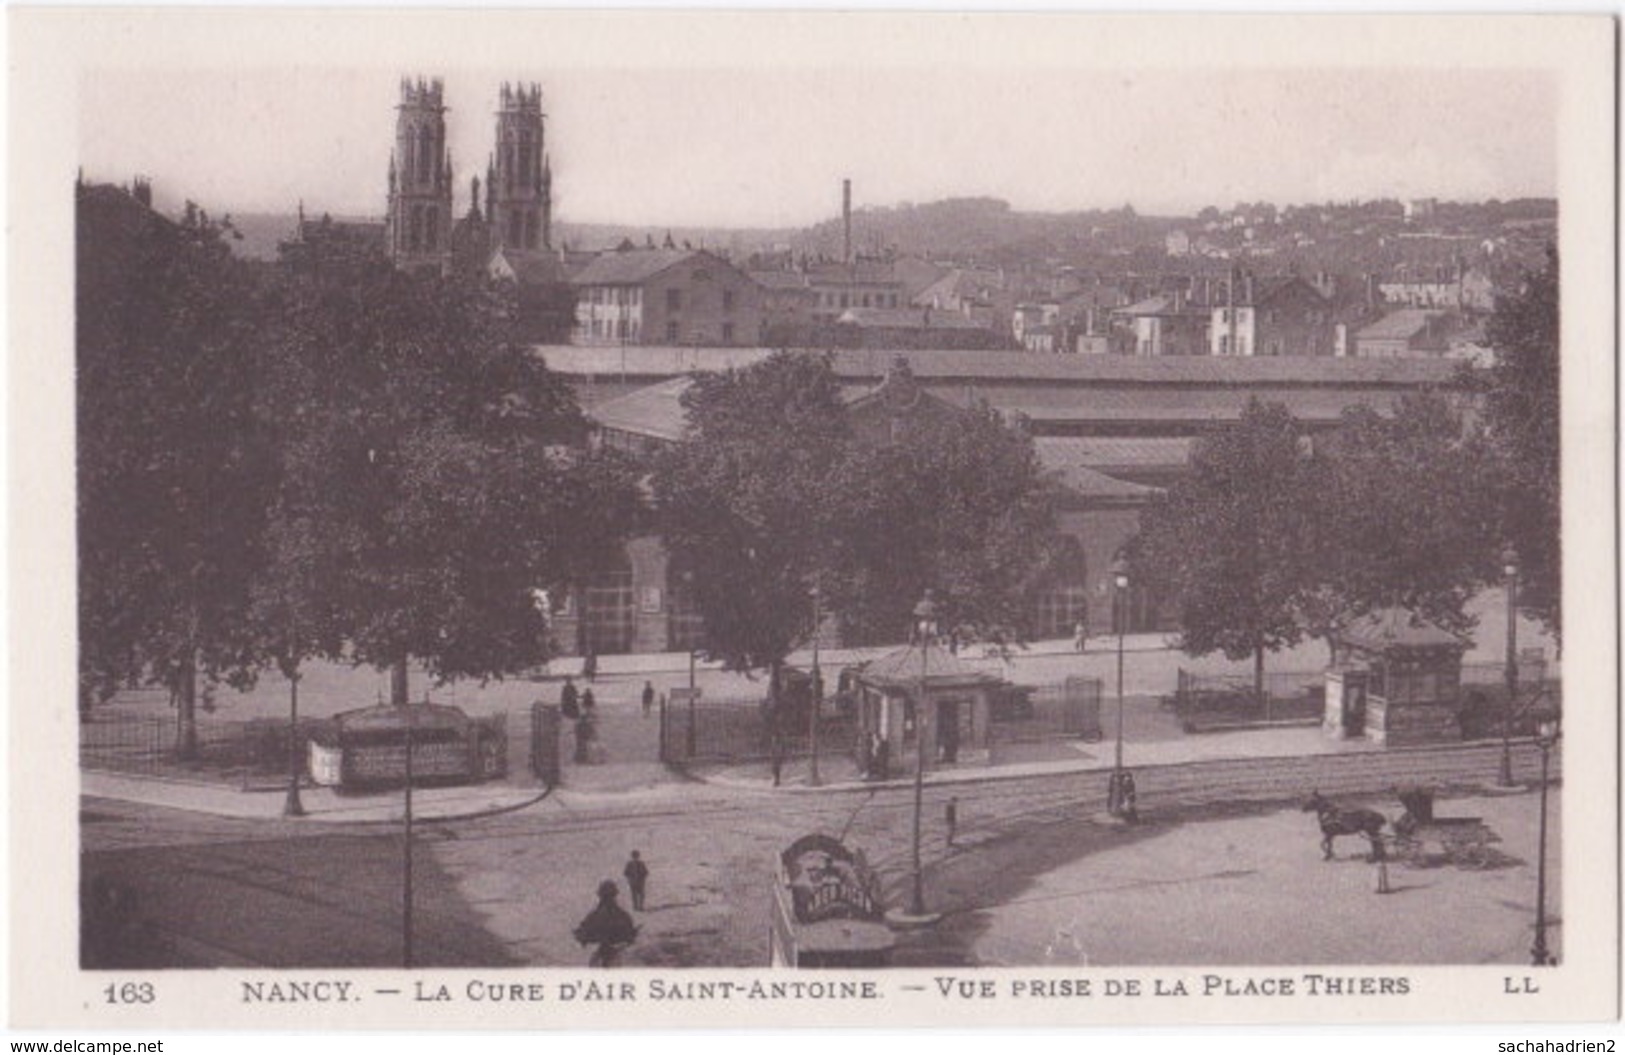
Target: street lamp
1119 797
817 687
1548 727
1509 565
925 628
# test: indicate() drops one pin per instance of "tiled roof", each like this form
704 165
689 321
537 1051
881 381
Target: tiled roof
1399 325
908 319
779 279
1392 627
903 667
629 267
1114 452
1091 483
990 367
1179 405
533 269
655 411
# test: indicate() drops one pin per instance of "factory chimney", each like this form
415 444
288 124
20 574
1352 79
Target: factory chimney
846 220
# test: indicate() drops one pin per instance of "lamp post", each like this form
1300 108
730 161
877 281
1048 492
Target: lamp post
1547 739
293 806
1509 565
925 628
817 688
1117 794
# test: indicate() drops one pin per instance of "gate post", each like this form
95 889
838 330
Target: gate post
544 743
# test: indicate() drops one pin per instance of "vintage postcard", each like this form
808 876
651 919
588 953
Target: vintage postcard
551 520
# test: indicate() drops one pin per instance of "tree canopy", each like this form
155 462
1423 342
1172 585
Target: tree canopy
1523 417
1406 514
173 479
1233 543
775 491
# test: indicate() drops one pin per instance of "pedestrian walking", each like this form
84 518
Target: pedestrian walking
1080 635
607 926
589 665
570 699
637 879
648 697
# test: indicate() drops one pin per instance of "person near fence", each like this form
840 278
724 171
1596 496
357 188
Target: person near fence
570 699
637 879
648 697
608 926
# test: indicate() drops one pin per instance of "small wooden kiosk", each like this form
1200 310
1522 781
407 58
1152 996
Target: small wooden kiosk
955 721
1395 679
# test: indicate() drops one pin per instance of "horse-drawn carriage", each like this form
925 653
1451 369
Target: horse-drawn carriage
1419 838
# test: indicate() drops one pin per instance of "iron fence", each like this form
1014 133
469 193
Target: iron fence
1065 711
744 730
242 753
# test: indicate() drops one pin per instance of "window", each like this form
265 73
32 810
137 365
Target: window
674 299
671 332
431 229
727 333
843 300
727 300
702 275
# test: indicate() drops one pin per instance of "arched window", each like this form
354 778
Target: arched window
524 158
431 229
414 239
425 155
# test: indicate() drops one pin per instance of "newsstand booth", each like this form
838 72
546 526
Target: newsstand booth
367 747
955 721
1395 679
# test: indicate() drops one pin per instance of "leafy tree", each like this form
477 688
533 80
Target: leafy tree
443 458
173 477
1233 544
1405 517
958 503
744 502
1523 416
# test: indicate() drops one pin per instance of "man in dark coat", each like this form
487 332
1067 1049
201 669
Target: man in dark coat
637 878
648 697
607 926
569 699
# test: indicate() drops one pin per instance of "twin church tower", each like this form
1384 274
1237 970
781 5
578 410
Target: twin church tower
420 231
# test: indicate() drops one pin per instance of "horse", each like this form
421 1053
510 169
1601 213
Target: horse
1336 820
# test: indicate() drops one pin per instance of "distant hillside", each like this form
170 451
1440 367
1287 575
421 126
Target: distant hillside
263 231
985 229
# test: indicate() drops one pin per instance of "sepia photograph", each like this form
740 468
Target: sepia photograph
805 519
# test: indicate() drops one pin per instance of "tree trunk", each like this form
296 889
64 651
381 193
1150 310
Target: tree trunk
398 683
186 709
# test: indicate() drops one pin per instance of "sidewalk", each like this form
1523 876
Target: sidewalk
838 771
321 804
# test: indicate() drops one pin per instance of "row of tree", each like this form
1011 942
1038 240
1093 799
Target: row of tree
328 458
1272 538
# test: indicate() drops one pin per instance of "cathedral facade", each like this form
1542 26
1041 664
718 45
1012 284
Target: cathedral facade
420 231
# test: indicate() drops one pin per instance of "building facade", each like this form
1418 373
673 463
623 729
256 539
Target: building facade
666 296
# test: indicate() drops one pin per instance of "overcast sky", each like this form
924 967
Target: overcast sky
762 147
